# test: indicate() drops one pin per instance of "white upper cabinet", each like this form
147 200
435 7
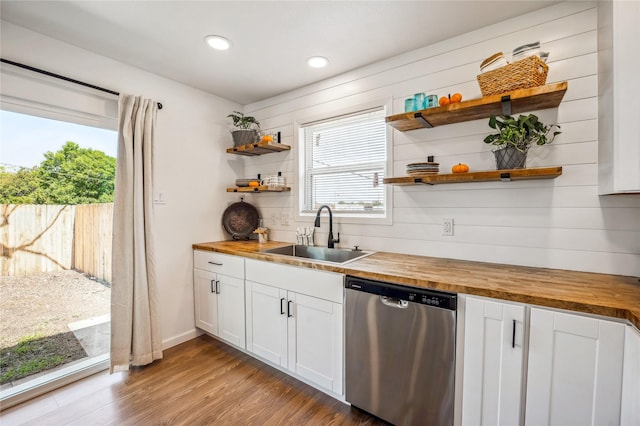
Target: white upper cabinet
575 370
618 97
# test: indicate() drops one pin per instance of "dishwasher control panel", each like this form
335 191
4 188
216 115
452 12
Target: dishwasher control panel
425 299
439 299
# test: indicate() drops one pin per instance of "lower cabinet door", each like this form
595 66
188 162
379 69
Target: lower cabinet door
315 341
231 316
631 378
575 370
493 362
266 322
206 300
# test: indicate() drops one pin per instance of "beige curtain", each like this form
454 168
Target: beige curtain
135 333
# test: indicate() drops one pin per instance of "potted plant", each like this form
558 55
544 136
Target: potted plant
243 134
515 136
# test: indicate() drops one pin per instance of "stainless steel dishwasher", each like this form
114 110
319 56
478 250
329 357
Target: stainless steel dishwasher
400 352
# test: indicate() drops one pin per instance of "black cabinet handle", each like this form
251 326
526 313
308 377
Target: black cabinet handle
214 263
217 286
289 314
281 307
513 335
212 290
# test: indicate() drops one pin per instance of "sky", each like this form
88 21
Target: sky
24 139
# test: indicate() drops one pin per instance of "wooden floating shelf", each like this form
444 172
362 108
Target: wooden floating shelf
258 148
541 97
258 189
483 176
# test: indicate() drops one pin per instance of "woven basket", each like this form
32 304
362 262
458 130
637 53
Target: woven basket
526 73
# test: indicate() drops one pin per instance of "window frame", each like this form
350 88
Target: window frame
342 217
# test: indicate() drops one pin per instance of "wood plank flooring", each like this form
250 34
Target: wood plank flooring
200 382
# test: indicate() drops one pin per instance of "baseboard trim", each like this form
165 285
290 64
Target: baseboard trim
180 338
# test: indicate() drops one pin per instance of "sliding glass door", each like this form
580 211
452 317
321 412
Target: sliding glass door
56 207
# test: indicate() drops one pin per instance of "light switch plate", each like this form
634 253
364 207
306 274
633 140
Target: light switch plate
160 197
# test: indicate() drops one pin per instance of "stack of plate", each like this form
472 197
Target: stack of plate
530 49
493 62
423 168
245 182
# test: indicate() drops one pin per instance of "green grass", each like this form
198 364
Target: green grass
35 353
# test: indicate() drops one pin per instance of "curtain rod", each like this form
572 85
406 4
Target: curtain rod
62 77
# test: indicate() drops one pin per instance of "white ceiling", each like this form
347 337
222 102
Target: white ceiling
271 39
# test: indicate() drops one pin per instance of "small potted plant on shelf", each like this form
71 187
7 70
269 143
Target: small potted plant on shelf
243 134
515 136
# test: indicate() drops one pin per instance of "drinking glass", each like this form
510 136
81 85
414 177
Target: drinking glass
431 101
409 105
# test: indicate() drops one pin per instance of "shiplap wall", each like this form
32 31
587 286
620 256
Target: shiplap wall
560 223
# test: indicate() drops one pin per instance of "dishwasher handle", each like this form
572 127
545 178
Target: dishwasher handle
394 303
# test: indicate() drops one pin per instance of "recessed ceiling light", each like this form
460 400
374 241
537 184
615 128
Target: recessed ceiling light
317 61
217 42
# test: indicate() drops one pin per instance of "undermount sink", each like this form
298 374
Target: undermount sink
324 254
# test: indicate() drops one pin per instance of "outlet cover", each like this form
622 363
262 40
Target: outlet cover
447 227
284 219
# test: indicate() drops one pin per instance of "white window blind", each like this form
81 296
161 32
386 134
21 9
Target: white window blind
345 161
30 93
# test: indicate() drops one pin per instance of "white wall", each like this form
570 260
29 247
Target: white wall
560 223
192 133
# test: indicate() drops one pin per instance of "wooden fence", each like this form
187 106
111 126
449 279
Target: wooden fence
92 240
46 238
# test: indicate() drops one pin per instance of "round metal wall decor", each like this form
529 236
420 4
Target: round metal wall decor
240 220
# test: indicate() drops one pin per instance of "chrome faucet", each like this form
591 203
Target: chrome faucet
331 242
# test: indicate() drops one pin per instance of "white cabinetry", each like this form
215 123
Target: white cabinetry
267 322
630 412
573 366
618 97
294 320
575 370
493 362
218 281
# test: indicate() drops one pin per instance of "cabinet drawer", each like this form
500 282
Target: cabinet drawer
225 264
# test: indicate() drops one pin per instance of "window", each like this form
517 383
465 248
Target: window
344 160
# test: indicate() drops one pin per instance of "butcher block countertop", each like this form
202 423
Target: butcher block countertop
609 295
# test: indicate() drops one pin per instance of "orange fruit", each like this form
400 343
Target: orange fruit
267 138
460 168
254 184
456 97
443 101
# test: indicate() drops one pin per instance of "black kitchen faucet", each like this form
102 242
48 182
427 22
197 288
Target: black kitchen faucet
330 243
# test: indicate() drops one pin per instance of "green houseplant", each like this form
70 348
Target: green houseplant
243 133
515 136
